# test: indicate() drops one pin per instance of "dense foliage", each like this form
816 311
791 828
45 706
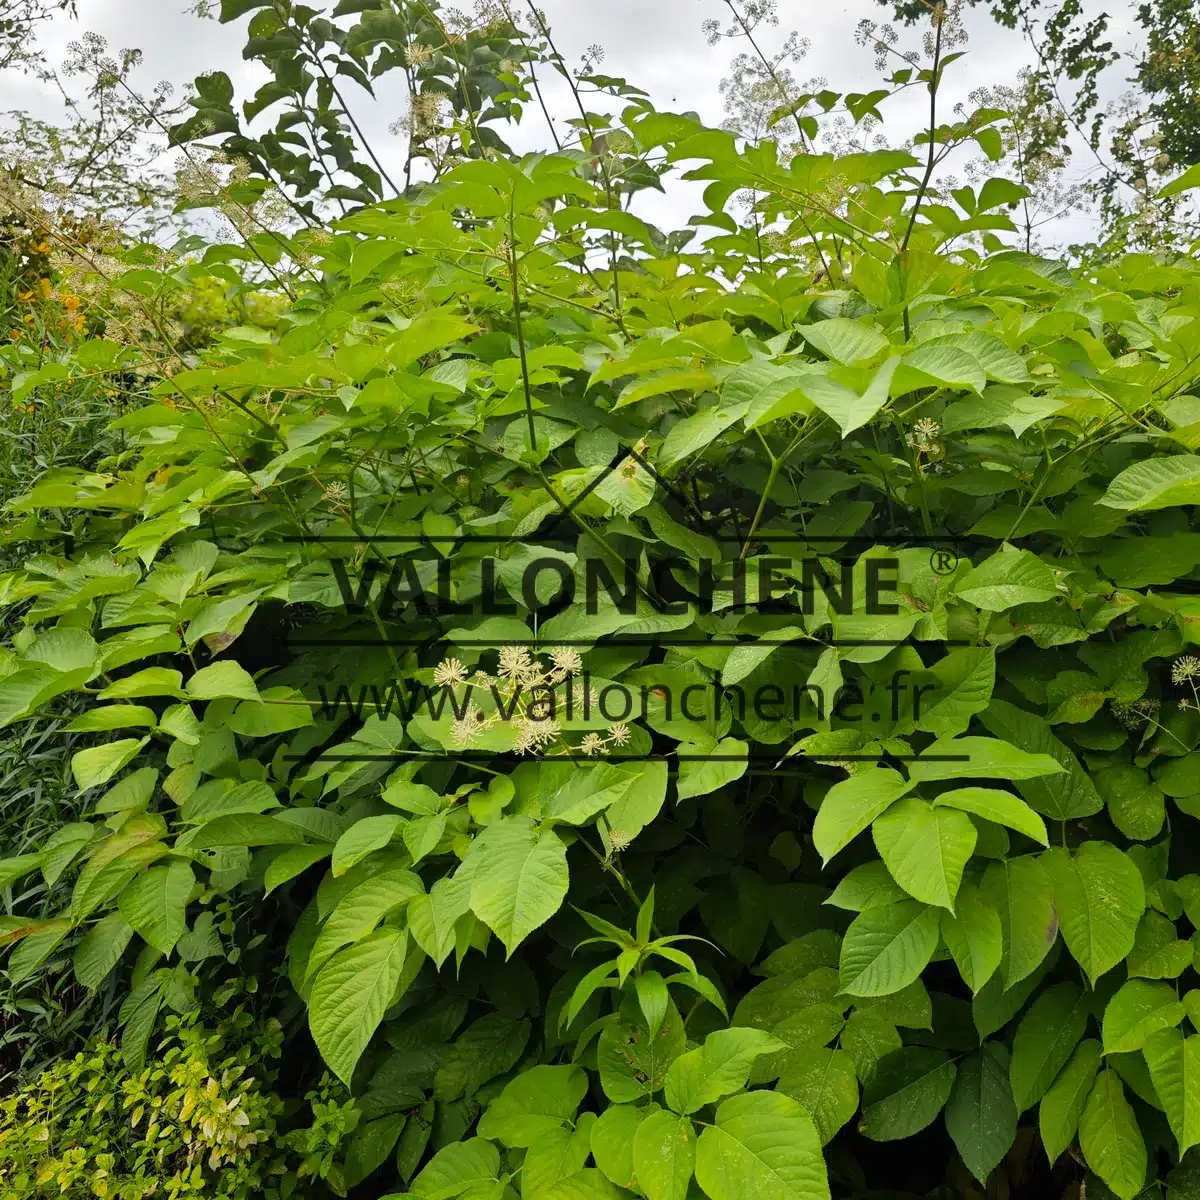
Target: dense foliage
620 713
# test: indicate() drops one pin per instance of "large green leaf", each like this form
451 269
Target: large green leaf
1002 808
925 848
906 1093
1099 897
1045 1040
349 996
1156 483
824 1082
154 904
981 1117
1140 1009
537 1102
1174 1063
1062 1105
722 1065
612 1140
664 1156
849 808
1067 796
1010 577
764 1146
886 948
1110 1138
845 341
1020 891
973 936
518 878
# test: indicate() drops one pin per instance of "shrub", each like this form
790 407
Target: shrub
198 1121
878 534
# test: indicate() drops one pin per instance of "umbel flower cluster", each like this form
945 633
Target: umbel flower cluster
528 690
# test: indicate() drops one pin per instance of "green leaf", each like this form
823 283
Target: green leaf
664 1155
981 1117
1067 796
1189 179
769 392
979 758
99 764
906 1093
824 1082
939 366
432 918
1010 577
963 680
293 861
848 409
1139 1009
1062 1105
457 1169
973 936
555 1158
711 764
519 878
537 1102
763 1146
1110 1138
632 1064
591 790
113 716
100 950
1099 897
695 433
1155 483
360 909
349 996
1003 808
1174 1064
1020 891
153 681
843 340
1045 1040
925 848
664 382
866 886
588 1184
850 807
364 837
612 1141
722 1065
223 679
154 904
886 948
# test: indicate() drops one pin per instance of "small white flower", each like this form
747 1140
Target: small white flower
567 660
1184 668
514 662
593 744
449 672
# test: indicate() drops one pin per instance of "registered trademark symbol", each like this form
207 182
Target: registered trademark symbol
943 562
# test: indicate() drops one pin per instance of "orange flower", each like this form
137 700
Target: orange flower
70 303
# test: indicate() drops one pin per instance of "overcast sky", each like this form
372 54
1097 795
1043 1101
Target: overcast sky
656 44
